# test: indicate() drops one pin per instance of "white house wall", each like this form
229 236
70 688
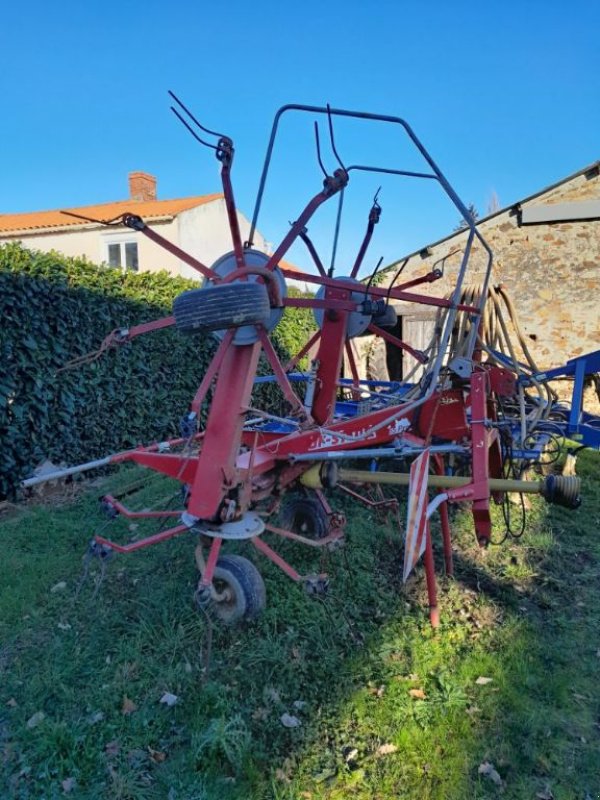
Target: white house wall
91 243
204 232
82 243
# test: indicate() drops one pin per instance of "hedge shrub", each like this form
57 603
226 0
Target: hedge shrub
55 308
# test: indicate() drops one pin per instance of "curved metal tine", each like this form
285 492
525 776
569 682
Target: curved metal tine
396 276
318 143
312 250
445 258
193 118
118 220
388 171
371 277
331 137
374 215
192 131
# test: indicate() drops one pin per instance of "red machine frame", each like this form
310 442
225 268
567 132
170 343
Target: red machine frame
235 468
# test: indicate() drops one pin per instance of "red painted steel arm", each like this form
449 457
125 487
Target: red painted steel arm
478 491
212 371
421 357
353 370
329 356
312 302
354 432
225 155
129 548
311 342
149 327
312 250
137 224
375 291
216 473
332 186
374 215
282 378
429 277
119 336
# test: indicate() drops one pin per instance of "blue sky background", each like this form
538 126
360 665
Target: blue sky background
505 95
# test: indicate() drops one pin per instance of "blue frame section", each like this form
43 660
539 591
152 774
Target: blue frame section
573 423
578 424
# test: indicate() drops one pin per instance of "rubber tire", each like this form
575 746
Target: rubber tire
229 305
305 516
249 596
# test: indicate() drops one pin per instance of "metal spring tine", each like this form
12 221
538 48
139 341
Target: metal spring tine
318 143
444 258
396 276
312 250
191 130
193 118
118 220
331 137
370 281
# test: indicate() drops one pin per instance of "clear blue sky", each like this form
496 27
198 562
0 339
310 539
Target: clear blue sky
505 95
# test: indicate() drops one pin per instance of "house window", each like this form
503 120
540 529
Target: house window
123 254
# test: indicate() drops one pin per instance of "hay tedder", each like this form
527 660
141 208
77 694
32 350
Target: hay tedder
478 414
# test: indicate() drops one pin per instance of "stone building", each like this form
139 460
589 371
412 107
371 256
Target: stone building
547 256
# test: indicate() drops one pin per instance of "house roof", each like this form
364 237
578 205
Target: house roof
150 209
292 267
591 168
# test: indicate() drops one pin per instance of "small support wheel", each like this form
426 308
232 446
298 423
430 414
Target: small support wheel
239 590
215 308
305 516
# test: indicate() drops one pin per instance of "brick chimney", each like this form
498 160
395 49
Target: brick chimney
142 187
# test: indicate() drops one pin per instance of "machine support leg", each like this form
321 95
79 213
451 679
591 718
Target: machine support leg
211 562
445 523
434 614
446 539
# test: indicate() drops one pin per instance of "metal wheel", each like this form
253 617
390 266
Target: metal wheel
220 307
387 319
306 517
239 589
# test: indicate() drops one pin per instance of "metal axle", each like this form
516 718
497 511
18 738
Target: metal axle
64 473
563 490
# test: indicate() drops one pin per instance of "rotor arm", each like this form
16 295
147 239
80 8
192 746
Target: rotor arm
374 216
136 223
429 277
331 186
397 293
303 234
418 354
119 336
225 151
122 335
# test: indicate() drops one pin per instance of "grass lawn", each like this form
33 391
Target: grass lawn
387 707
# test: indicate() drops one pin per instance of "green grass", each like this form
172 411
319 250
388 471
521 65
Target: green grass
524 614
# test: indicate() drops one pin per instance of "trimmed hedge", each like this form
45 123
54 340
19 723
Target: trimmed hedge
55 308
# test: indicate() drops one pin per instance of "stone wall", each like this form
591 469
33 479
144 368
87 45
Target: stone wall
550 271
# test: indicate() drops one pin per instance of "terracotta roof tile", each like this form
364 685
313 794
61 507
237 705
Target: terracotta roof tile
291 267
151 209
